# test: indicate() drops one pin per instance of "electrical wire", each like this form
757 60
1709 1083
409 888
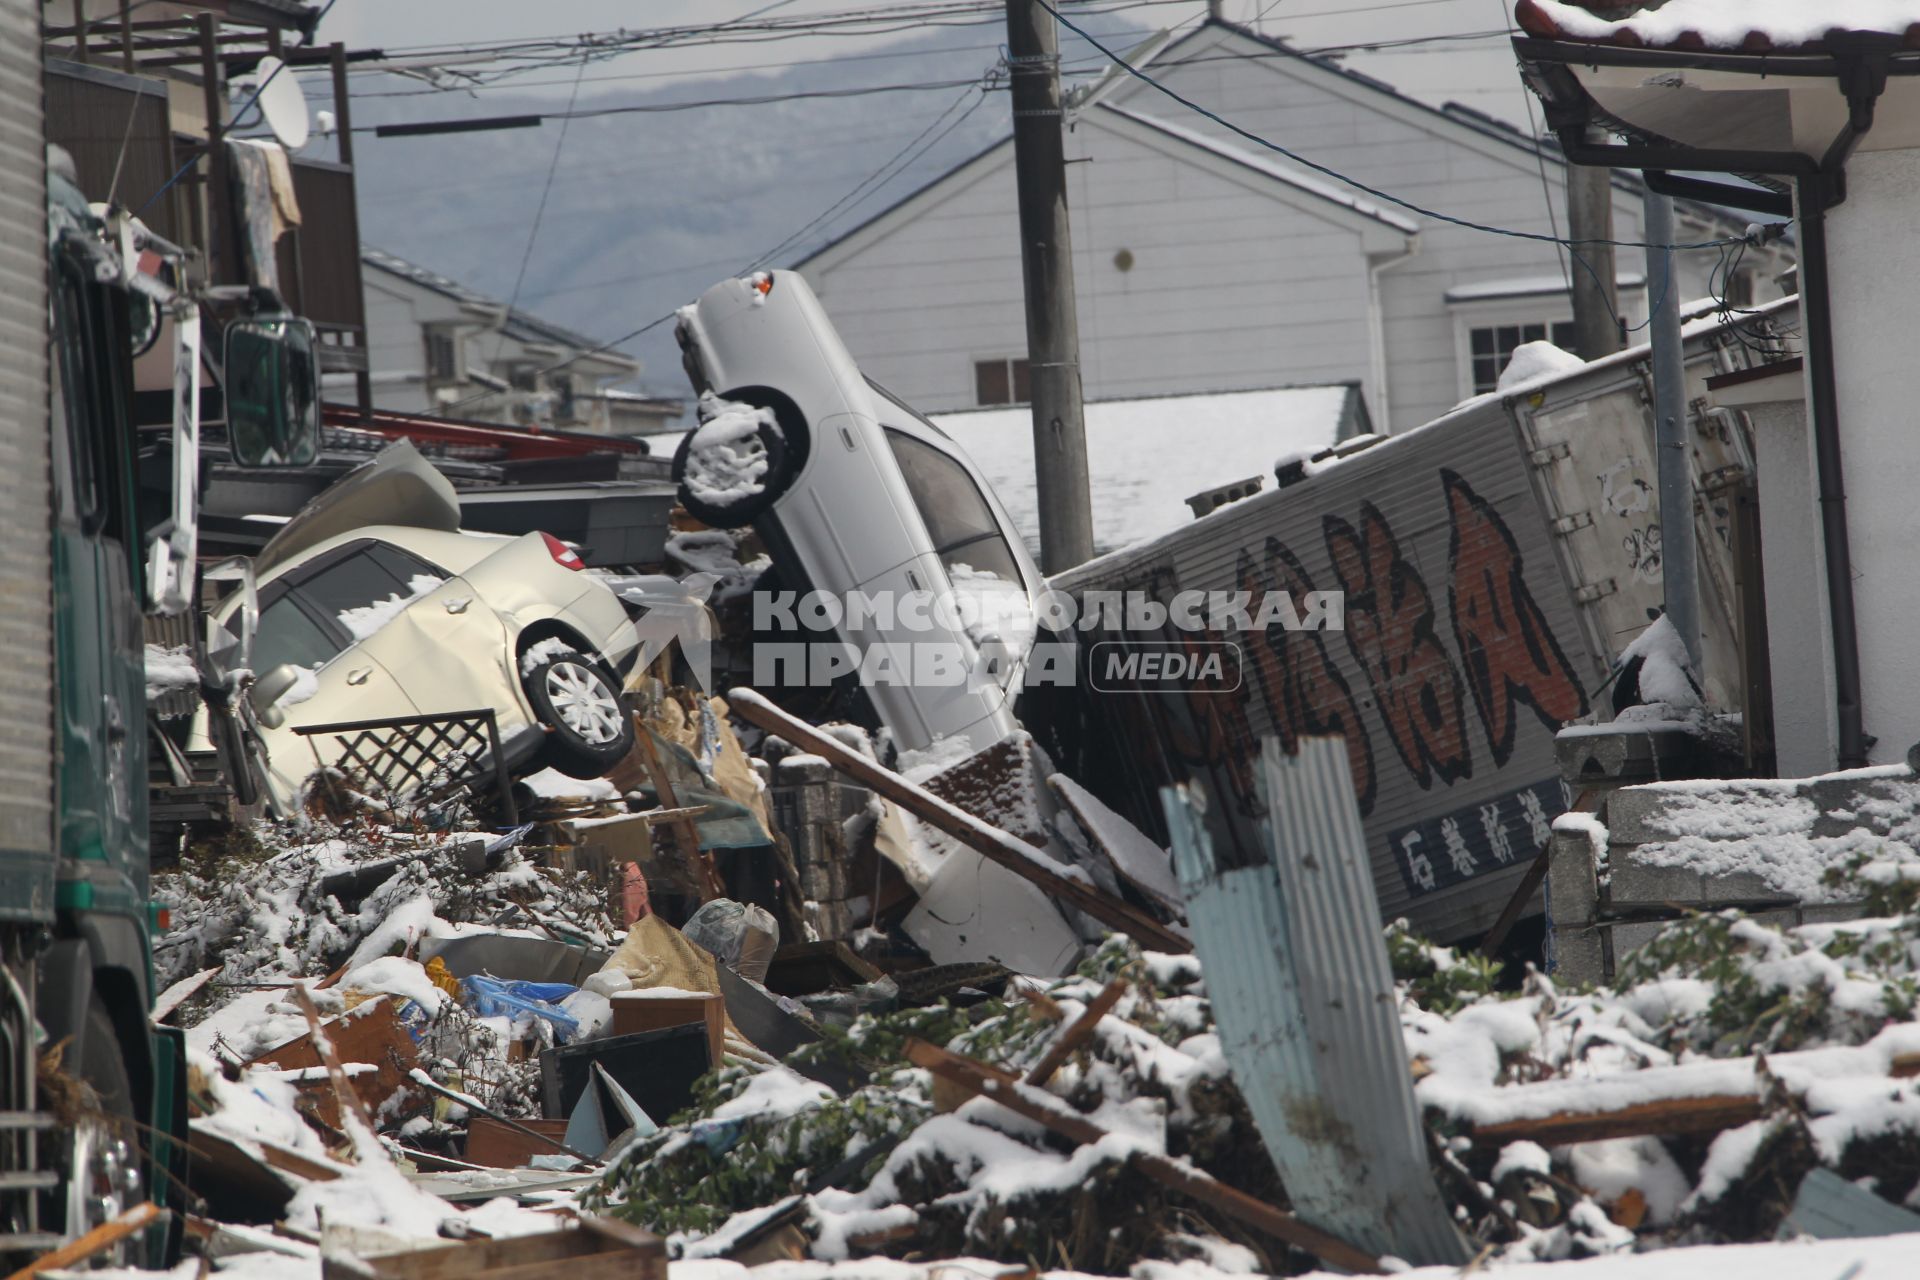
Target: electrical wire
540 211
871 184
1335 174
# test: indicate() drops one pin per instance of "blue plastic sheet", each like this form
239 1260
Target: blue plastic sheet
491 997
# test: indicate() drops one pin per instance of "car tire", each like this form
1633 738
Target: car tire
576 699
783 465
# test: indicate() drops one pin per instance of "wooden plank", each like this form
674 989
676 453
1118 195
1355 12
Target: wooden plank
1673 1107
497 1146
427 1082
596 1249
1045 1109
1068 1042
636 1011
1666 1116
104 1236
368 1033
179 993
685 834
989 842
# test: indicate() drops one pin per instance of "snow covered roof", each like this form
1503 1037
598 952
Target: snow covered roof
1748 26
1146 457
1529 286
1260 163
519 325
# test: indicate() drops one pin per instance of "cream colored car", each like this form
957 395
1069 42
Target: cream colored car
373 621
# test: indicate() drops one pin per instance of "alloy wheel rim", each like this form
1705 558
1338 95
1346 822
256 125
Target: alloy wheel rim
581 698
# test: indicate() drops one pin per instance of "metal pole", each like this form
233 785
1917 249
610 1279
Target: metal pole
1596 295
1046 260
1672 442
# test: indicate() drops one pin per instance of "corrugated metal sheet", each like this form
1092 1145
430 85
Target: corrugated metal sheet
1464 649
26 553
1302 993
1828 1207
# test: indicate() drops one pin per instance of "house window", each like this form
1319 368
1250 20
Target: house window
443 363
1494 345
1001 381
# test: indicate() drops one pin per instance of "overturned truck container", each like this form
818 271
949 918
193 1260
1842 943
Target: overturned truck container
1479 577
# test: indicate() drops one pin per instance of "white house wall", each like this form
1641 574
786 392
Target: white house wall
1401 148
1230 288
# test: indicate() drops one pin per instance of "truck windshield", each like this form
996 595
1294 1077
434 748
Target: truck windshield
962 525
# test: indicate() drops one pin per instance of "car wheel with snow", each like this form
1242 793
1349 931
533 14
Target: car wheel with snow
738 462
577 700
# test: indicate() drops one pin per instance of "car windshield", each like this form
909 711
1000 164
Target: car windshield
964 531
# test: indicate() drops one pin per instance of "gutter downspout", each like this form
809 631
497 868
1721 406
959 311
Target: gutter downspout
1377 332
1816 317
1863 81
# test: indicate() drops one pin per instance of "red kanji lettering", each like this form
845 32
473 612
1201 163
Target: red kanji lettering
1390 631
1302 689
1506 646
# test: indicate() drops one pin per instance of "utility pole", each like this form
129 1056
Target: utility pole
1673 445
1596 296
1046 262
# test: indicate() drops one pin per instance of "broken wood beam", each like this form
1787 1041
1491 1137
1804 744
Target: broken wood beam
1665 1102
1045 1109
996 846
1663 1117
686 836
1068 1042
349 1100
104 1236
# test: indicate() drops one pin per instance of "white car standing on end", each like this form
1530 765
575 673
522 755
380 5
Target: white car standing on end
374 605
863 495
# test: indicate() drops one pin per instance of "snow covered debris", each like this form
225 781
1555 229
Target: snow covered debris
726 459
169 669
897 1158
1533 360
1656 671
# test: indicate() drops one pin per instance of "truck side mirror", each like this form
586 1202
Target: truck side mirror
267 692
273 392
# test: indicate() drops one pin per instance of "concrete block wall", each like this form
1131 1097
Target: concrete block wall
1764 846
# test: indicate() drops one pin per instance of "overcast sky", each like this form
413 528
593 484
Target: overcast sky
1479 73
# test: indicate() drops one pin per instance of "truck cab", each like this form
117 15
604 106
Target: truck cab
83 562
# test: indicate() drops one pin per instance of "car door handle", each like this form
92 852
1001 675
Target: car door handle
359 675
458 604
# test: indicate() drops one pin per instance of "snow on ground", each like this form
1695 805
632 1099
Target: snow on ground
1146 457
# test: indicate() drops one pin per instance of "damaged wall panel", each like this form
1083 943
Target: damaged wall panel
1298 975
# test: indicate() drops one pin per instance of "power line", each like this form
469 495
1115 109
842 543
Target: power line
540 210
1335 174
871 184
472 125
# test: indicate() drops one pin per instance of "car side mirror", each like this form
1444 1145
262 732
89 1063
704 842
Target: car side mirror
267 692
273 392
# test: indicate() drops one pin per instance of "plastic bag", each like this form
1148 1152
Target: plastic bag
740 935
491 997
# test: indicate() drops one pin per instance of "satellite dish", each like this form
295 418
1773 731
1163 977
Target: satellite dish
282 105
